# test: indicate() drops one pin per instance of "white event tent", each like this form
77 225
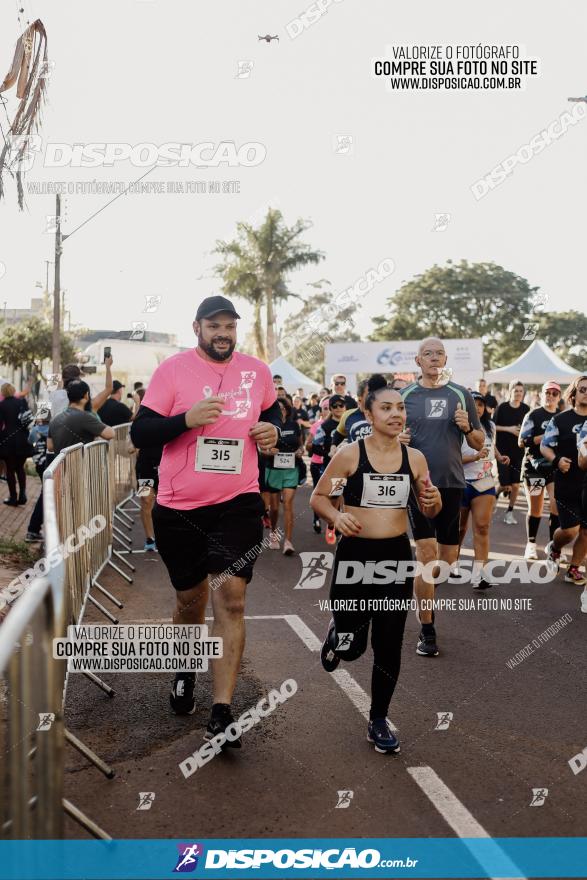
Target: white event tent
537 364
292 377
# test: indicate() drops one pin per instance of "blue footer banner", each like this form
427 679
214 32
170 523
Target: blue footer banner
506 857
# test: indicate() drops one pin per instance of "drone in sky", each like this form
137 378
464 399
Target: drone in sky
268 38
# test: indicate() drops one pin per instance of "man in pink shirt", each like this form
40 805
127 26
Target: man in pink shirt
210 406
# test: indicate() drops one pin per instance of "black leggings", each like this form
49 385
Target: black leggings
15 471
351 624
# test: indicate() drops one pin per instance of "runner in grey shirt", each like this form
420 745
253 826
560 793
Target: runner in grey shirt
438 416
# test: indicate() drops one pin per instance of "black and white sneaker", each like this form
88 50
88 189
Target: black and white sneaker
317 525
380 734
483 585
329 659
33 537
182 694
427 646
220 719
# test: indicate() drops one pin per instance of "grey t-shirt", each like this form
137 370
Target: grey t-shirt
59 401
74 426
430 417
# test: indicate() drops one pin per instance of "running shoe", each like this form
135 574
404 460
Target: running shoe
379 733
150 544
483 585
427 646
317 525
552 556
531 551
288 548
510 519
33 537
274 542
330 535
182 694
574 576
329 659
220 719
11 502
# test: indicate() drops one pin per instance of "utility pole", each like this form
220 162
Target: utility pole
56 348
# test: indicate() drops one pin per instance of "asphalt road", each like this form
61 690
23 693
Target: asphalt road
512 729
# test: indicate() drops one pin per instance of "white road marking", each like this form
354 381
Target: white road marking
304 632
358 697
461 821
454 813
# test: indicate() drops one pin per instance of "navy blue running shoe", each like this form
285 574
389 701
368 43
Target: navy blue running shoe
379 733
329 659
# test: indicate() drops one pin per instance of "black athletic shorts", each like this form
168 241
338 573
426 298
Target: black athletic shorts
537 478
445 526
510 473
571 502
210 540
147 475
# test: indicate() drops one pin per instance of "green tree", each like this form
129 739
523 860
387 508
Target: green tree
565 333
28 343
256 266
463 300
315 325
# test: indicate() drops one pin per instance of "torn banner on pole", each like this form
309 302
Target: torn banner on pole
28 71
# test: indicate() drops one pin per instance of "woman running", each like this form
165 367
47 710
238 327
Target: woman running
479 495
281 477
508 419
317 461
537 471
376 475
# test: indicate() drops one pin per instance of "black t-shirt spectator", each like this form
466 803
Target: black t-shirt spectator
508 416
114 413
302 414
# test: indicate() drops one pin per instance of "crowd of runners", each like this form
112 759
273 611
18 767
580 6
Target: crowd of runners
398 474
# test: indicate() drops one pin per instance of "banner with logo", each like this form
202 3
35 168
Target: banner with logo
336 858
464 356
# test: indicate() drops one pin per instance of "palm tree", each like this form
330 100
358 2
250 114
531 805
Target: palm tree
256 265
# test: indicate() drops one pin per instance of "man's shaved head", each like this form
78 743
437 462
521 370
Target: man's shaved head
430 340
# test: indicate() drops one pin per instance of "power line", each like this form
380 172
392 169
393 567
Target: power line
103 208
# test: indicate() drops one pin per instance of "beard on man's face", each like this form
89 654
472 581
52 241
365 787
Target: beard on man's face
215 353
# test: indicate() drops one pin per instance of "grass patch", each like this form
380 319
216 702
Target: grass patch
18 554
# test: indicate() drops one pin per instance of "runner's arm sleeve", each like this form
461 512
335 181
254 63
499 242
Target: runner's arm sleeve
150 428
526 437
272 415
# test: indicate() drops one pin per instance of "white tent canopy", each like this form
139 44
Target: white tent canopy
292 377
537 364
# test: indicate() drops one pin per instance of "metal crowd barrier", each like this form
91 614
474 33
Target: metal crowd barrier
33 686
81 484
123 488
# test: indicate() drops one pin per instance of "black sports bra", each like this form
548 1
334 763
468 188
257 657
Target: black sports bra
369 488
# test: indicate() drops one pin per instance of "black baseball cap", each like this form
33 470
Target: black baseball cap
213 305
116 386
77 389
335 398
